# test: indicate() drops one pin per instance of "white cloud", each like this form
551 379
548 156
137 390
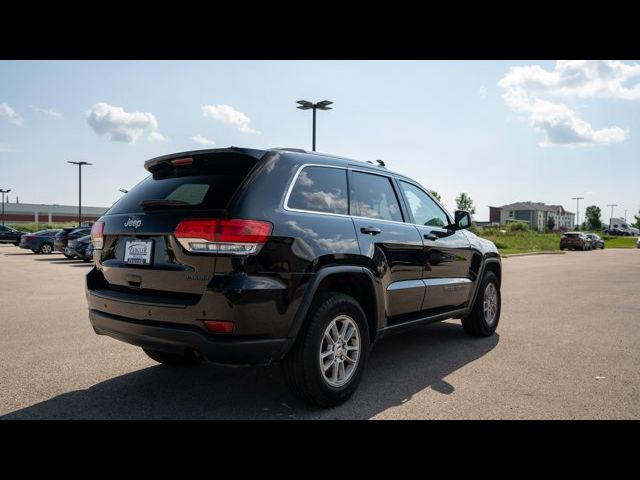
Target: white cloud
558 123
156 137
202 140
121 126
229 115
5 147
577 78
483 92
49 112
10 114
528 88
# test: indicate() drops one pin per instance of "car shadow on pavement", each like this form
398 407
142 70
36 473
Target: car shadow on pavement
399 367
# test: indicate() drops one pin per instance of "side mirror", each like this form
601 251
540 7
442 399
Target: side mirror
462 220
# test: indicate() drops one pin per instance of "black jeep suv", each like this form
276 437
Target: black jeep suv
245 256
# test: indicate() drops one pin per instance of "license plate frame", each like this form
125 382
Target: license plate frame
138 252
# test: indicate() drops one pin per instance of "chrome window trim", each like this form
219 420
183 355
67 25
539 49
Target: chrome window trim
295 179
373 172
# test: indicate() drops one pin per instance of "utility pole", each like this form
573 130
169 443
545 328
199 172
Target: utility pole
80 164
577 199
3 192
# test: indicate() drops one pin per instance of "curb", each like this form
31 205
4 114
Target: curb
550 252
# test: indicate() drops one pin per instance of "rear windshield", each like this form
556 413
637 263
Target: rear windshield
572 235
210 191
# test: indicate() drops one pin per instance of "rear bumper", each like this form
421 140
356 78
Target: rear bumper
178 339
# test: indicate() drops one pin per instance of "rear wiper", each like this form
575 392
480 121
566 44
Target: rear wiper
161 202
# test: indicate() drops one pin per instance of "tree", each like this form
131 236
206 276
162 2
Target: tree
551 223
435 195
592 215
464 202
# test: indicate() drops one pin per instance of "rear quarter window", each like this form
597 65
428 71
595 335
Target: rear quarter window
320 189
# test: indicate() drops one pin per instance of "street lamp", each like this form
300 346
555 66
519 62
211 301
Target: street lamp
577 199
3 192
306 105
80 164
611 205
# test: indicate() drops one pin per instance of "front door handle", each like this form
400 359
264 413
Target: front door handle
371 230
430 236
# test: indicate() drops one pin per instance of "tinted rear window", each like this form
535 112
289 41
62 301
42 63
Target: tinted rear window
210 190
373 196
320 189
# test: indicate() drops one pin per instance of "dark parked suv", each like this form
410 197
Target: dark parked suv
71 233
9 235
246 256
575 241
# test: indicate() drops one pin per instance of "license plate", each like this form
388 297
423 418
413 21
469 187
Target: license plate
138 252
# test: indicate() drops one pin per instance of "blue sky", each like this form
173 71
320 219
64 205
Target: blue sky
502 131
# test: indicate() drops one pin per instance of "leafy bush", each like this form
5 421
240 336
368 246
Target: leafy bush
518 227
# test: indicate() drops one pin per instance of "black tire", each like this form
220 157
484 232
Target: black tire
46 248
70 257
475 324
561 249
35 251
301 366
171 359
17 244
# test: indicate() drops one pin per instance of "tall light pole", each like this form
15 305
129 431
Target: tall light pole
306 105
80 164
611 205
577 199
3 192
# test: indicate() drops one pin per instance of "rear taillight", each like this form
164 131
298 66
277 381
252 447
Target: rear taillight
97 235
236 237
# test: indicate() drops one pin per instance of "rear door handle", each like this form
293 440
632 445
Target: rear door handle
371 230
430 236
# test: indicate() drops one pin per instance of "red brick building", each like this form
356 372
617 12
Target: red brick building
40 213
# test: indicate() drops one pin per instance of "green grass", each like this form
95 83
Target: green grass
619 242
528 241
35 227
524 241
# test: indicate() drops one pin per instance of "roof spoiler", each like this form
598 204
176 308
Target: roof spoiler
152 164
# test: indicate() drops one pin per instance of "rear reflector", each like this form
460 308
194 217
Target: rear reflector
235 236
97 235
218 326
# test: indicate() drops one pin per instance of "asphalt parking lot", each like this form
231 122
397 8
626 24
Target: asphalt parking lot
566 348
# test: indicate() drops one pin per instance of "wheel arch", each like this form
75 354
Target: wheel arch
491 264
357 282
